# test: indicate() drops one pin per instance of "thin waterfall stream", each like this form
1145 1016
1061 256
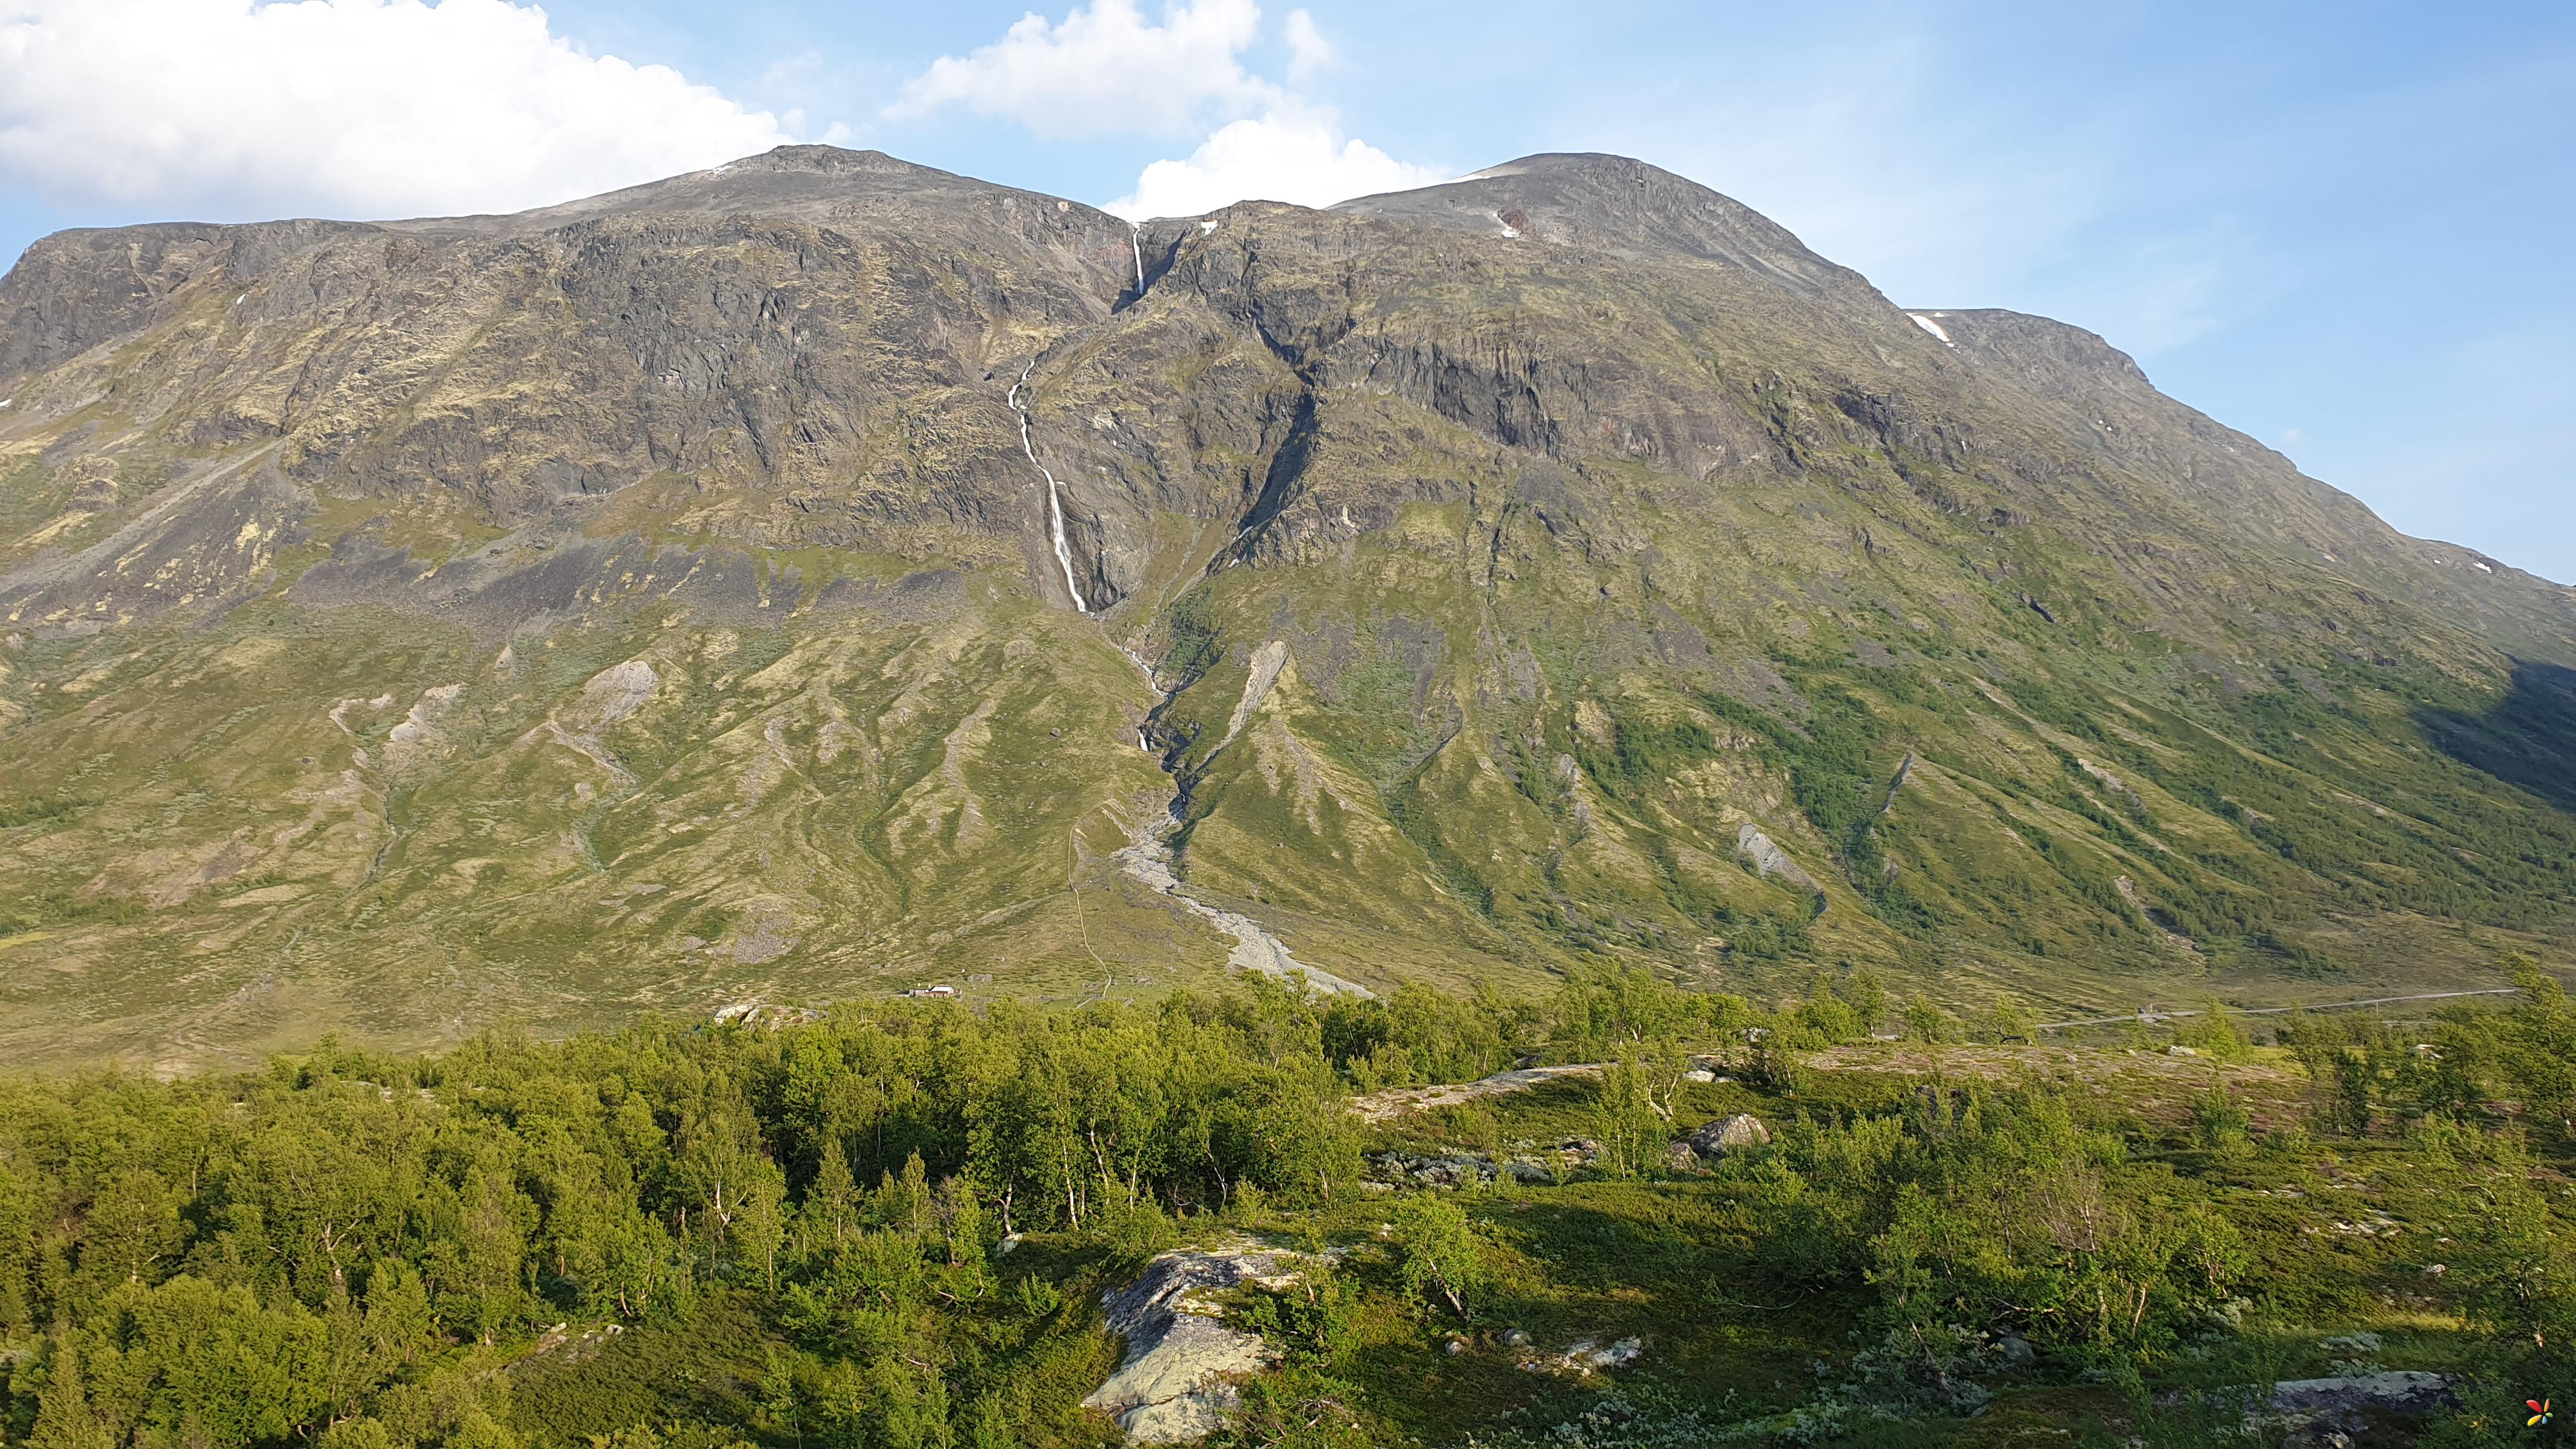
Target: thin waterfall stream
1055 505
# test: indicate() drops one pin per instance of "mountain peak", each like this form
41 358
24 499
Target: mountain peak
808 183
1614 206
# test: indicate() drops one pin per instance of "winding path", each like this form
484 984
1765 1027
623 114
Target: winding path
2150 1016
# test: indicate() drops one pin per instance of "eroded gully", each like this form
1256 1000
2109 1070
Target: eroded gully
1149 861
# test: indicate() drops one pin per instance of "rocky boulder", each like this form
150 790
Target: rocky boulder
2396 1392
1591 1356
1177 1381
1716 1138
2322 1408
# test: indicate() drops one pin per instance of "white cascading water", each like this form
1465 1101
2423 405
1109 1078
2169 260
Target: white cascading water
1055 508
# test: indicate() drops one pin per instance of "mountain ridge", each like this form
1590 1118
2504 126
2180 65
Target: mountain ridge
1615 205
654 602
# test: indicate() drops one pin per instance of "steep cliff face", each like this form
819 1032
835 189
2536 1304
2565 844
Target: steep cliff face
812 335
655 601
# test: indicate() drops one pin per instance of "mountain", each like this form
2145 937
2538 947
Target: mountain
664 602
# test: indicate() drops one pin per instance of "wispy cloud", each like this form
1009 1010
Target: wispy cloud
1309 53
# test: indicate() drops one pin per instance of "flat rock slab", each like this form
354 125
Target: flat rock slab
1388 1105
2396 1392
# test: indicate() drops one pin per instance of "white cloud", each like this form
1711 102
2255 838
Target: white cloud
1102 70
1287 155
372 107
1309 53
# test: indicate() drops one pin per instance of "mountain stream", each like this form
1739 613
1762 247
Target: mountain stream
1149 862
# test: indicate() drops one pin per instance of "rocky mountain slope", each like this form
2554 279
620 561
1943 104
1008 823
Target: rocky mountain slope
826 575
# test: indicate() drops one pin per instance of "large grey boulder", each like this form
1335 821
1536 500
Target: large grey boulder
1717 1138
1177 1382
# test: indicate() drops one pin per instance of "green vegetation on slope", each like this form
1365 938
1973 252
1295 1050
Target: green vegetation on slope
892 1227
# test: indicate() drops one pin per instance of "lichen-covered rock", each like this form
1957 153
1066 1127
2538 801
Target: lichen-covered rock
1176 1383
1531 1163
1729 1134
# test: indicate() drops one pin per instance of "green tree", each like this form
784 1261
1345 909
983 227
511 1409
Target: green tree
2535 1049
835 1192
2516 1261
1625 1120
1926 1022
400 1329
65 1418
131 1234
475 1260
223 1366
2221 1122
1443 1256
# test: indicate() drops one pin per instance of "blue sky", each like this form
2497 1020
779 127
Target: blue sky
2343 228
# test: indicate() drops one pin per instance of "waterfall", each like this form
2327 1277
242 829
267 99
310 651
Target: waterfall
1055 507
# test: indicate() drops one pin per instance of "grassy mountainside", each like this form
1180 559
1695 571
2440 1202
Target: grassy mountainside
649 602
